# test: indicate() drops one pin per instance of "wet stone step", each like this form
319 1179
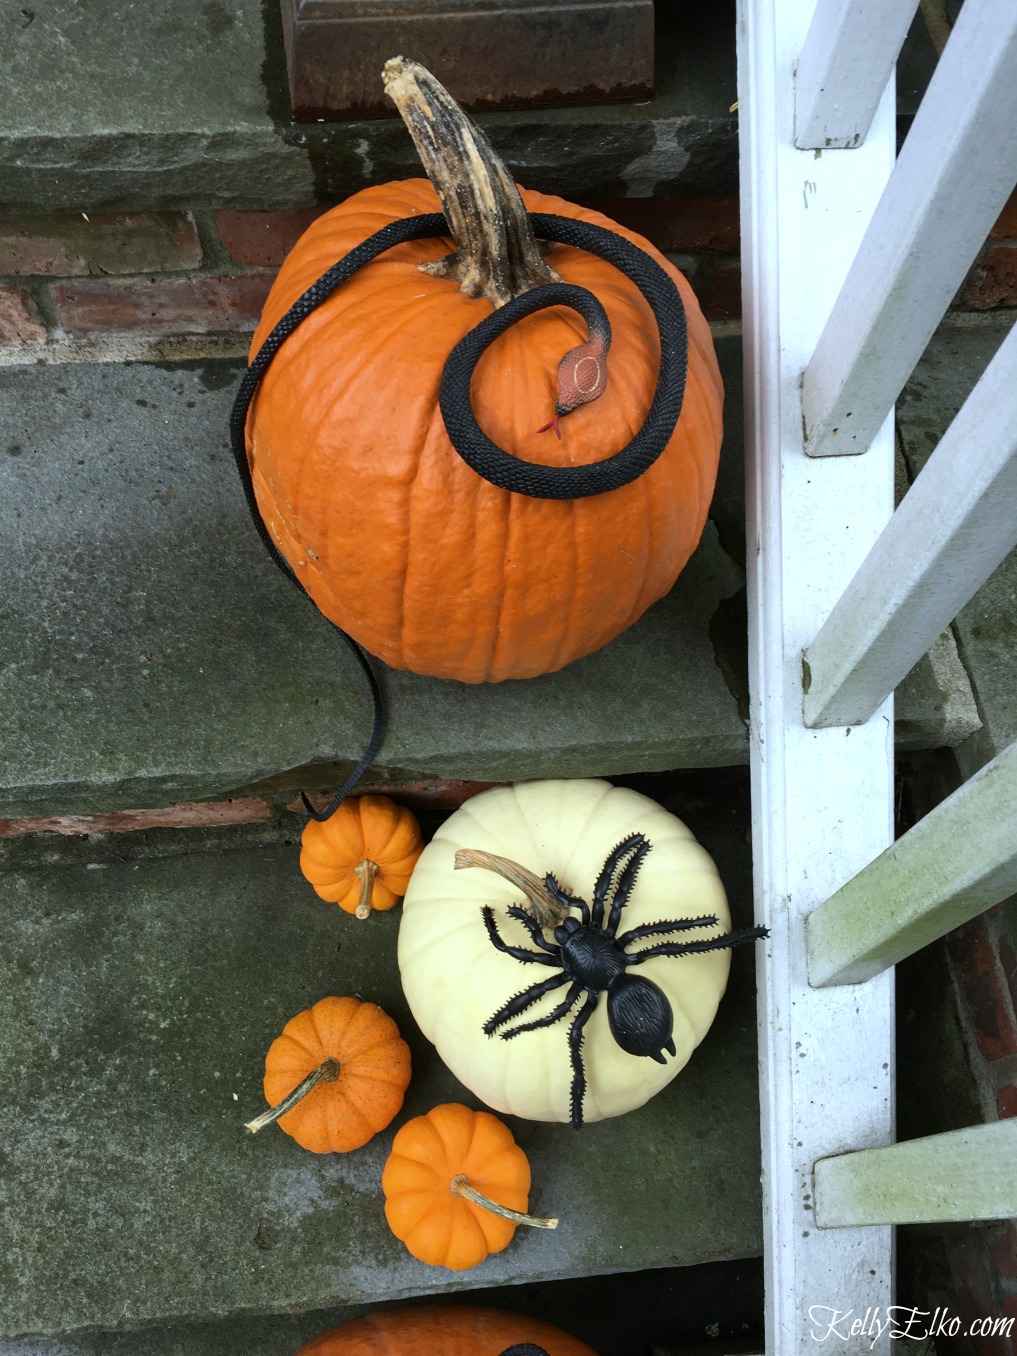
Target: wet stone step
154 653
137 1000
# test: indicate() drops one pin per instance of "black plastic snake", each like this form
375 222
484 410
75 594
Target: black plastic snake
466 436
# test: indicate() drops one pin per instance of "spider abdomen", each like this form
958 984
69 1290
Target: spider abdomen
640 1017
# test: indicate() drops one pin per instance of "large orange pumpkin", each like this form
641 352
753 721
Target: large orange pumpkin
443 1330
430 567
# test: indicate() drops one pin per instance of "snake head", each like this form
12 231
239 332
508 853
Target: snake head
582 376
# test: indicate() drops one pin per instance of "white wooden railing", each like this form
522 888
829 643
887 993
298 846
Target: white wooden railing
851 255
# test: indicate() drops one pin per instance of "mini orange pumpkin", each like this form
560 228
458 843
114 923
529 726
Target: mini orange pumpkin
443 1330
362 856
456 1186
335 1076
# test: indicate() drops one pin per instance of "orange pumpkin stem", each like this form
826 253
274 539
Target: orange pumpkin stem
497 255
460 1186
547 910
367 871
326 1072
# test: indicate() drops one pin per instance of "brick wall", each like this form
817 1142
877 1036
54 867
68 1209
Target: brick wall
981 1260
77 280
81 279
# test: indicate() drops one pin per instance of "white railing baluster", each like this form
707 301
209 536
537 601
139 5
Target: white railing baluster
952 529
956 169
958 861
846 63
826 1056
960 1175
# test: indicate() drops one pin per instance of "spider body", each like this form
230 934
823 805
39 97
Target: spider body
590 958
638 1012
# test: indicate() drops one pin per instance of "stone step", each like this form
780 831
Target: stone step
620 1314
189 108
138 998
154 653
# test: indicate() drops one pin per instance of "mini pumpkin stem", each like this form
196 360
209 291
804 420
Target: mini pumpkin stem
367 871
547 910
460 1186
326 1072
497 255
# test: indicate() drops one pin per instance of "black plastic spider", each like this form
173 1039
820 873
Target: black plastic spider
593 959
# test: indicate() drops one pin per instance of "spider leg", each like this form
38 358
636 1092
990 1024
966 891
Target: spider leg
722 943
518 953
635 841
520 1003
575 1054
558 892
626 880
556 1013
672 925
532 927
570 901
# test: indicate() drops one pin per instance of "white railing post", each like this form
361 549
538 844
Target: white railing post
954 526
961 1175
955 172
846 64
958 861
822 802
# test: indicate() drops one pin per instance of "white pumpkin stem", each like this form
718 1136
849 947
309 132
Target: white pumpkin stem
460 1186
367 871
497 255
326 1072
547 910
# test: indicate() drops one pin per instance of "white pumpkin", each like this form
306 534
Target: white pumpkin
455 978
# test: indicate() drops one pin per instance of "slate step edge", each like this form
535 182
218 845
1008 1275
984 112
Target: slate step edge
155 654
191 122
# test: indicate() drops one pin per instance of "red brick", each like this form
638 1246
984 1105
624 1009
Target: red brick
676 225
1008 960
993 281
981 981
185 815
720 294
1006 1102
1006 223
19 318
161 305
940 1308
76 244
1002 1241
438 793
976 1288
263 238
